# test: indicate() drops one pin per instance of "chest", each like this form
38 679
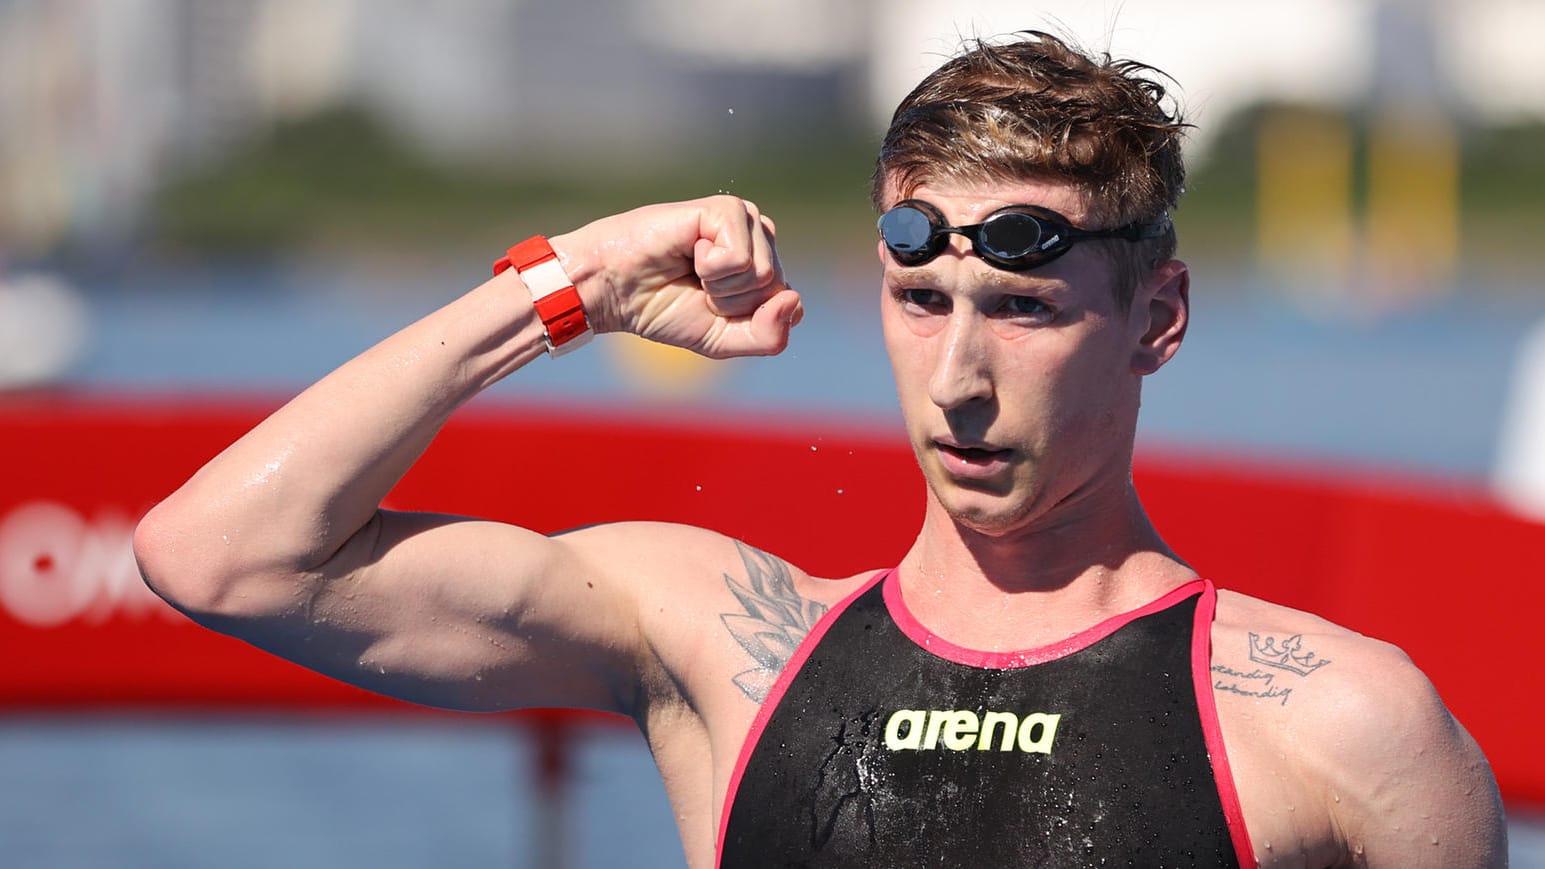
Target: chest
879 752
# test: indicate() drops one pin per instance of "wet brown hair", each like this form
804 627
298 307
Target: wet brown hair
1037 108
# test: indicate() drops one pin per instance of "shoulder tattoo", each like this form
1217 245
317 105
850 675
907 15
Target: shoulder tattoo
1277 668
775 619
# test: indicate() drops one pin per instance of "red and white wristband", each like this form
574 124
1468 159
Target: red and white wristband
557 302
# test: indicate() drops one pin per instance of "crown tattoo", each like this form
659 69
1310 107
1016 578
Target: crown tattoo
1286 655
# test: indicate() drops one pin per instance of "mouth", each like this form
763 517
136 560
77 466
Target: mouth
976 457
974 454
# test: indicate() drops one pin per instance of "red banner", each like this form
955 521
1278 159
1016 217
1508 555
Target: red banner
1443 573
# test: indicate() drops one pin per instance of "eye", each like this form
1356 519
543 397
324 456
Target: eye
1025 306
928 300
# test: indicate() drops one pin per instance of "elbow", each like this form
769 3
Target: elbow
180 568
164 571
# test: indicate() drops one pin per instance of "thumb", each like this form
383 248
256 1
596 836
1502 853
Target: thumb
764 333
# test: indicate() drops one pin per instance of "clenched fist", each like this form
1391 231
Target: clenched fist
702 274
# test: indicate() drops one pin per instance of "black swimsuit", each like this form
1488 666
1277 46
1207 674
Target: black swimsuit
883 745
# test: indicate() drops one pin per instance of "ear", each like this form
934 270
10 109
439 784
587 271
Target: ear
1161 310
879 248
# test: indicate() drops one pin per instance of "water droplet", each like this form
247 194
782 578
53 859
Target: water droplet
812 448
700 488
381 670
839 491
732 111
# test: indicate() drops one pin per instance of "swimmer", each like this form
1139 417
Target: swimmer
1038 681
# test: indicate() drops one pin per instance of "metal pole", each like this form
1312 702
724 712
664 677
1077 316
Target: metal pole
550 771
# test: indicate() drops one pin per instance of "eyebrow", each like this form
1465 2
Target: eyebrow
998 280
911 274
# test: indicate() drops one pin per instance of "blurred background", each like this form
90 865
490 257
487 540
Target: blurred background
214 202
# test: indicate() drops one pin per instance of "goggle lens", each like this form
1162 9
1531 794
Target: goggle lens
906 230
1009 235
1015 238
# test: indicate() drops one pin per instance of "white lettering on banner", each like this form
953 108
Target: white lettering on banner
55 567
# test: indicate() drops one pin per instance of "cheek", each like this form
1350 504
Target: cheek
902 346
911 372
1094 390
1069 387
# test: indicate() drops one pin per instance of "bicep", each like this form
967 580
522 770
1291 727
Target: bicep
461 614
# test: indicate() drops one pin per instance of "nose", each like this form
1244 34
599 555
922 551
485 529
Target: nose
962 371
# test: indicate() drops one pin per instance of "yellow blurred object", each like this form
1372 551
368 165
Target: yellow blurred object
1304 203
1412 234
662 370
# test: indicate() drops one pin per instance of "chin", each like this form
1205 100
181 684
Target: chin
989 514
990 525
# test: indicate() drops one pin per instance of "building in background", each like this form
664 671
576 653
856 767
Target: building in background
102 100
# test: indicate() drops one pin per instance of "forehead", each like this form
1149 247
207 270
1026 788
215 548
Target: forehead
970 203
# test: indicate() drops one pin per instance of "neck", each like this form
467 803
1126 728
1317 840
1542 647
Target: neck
1089 560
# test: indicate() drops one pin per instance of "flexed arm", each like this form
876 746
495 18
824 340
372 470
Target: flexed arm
281 540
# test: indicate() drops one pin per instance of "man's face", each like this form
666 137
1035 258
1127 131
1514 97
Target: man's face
1019 389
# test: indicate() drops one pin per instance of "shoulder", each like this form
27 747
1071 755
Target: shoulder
663 556
1354 720
706 601
1328 679
1323 663
1315 658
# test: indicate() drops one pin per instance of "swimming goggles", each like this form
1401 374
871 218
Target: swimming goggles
1014 238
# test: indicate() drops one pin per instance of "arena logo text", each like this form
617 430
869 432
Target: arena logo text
963 729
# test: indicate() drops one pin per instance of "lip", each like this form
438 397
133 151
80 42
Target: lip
972 461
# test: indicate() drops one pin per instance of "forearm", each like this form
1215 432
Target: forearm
286 496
